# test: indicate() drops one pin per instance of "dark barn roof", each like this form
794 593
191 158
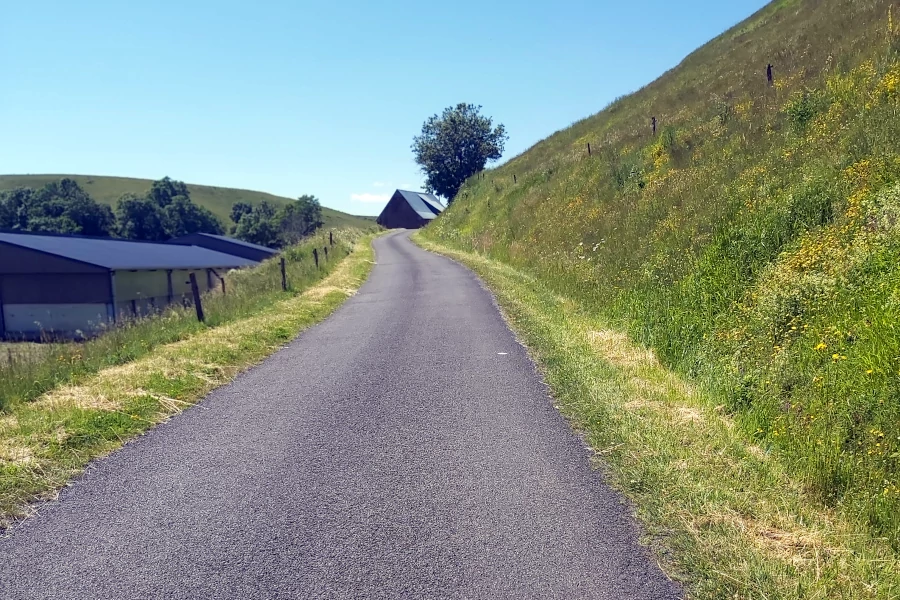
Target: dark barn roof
117 255
410 210
228 245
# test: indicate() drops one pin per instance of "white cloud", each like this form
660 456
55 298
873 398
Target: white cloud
406 186
368 197
379 184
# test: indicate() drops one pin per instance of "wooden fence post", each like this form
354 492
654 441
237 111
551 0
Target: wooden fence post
589 148
326 252
331 238
222 279
283 276
196 292
514 178
316 257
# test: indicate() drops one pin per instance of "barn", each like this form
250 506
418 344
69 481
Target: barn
228 245
68 286
410 210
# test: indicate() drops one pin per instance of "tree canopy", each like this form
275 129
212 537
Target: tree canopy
140 218
165 212
164 190
264 224
456 145
62 206
58 207
259 226
299 219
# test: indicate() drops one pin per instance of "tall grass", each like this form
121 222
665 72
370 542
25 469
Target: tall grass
247 292
754 243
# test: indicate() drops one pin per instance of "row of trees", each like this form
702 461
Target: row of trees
63 206
164 212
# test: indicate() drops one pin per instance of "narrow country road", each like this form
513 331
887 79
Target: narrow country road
404 448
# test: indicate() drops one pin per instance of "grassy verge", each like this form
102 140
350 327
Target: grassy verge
47 441
724 515
39 368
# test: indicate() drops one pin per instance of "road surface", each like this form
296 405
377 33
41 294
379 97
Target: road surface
403 448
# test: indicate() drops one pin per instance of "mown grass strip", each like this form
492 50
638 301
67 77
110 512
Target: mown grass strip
44 443
722 514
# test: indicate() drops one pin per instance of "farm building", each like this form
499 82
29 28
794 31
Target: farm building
410 210
228 245
61 285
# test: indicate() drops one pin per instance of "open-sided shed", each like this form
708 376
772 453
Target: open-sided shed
68 286
228 245
410 210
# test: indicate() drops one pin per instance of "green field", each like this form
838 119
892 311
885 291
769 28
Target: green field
217 199
751 245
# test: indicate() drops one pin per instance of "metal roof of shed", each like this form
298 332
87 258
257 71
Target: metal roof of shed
426 206
229 240
125 254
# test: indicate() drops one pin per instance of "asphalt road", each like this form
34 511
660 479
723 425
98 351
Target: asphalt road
404 448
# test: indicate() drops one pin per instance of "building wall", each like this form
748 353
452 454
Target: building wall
55 288
44 305
141 293
38 305
50 321
42 295
398 213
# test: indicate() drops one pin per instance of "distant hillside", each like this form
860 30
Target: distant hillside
752 241
217 199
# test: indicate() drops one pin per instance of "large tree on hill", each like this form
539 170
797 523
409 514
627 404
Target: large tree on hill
455 146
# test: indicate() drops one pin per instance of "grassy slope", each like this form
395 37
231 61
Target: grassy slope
162 367
217 199
732 522
753 244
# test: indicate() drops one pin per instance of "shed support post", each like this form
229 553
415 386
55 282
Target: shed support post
171 289
112 293
2 319
195 290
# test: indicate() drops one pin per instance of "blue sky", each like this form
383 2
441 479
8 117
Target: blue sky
295 97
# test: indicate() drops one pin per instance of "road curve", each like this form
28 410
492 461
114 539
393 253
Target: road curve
404 448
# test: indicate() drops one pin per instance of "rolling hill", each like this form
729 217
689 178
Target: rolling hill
752 241
217 199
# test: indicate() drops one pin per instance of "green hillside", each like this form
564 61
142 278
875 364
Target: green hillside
753 243
217 199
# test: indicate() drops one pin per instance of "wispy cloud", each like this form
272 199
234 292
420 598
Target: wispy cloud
406 186
369 197
379 184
